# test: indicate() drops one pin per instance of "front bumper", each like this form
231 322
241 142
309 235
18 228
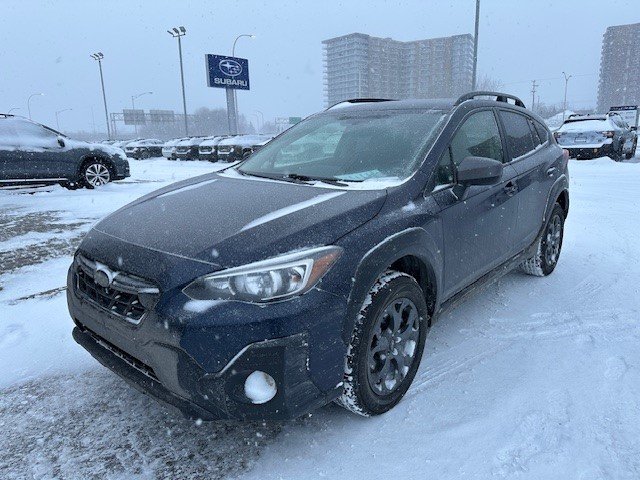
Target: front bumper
210 156
122 170
166 356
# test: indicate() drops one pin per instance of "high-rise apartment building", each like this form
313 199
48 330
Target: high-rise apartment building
362 66
620 67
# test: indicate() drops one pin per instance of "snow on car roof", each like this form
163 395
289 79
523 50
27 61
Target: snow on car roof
212 141
246 140
586 125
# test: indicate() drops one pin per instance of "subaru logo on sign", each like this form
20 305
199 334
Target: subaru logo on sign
230 67
227 72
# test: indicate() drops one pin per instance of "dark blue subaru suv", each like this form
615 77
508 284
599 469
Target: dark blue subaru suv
312 271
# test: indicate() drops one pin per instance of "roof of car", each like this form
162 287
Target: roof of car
445 104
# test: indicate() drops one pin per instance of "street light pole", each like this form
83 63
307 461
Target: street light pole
566 86
261 118
179 32
58 119
474 79
29 102
133 106
99 56
232 104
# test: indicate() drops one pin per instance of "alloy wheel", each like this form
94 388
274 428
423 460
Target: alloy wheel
97 175
553 240
393 346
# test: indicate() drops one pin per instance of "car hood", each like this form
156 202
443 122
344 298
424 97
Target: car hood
232 221
95 147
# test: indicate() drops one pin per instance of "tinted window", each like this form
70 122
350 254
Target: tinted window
519 138
477 137
543 133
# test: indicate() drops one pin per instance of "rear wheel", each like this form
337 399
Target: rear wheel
632 153
549 245
95 173
386 345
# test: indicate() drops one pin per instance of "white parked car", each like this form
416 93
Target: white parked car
169 148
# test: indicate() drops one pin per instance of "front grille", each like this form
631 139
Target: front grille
205 149
126 296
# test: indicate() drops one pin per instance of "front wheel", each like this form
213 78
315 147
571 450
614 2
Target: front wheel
386 345
549 245
95 174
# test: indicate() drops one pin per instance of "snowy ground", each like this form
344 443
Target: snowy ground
532 378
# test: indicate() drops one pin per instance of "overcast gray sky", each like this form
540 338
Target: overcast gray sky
46 47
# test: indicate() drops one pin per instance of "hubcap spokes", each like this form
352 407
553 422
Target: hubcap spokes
553 240
97 175
393 345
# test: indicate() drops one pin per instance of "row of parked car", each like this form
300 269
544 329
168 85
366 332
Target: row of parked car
213 148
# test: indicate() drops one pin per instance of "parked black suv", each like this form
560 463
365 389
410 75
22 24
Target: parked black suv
31 153
276 286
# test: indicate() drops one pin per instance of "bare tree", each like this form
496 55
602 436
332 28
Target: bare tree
487 83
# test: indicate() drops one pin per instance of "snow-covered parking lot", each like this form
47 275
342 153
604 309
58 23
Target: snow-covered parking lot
533 378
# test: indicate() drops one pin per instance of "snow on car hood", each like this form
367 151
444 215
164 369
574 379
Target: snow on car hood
231 221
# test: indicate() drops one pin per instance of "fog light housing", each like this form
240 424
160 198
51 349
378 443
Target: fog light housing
260 387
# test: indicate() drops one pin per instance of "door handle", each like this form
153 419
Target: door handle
511 189
551 171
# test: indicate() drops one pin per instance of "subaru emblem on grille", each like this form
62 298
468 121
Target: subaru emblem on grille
103 276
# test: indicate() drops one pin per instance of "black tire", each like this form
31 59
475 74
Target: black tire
95 173
549 246
373 348
632 153
145 155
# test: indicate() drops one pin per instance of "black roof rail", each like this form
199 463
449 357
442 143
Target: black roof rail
361 100
500 97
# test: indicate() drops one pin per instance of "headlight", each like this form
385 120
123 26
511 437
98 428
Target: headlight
274 279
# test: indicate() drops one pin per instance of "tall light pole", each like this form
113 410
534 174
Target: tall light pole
474 78
257 117
133 106
179 32
233 91
566 85
98 57
29 102
261 118
57 117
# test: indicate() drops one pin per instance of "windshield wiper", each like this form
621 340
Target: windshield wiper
307 178
282 178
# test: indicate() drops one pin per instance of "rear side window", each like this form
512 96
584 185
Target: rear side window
519 138
543 133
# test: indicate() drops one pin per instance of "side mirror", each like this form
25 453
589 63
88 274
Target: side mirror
61 142
479 171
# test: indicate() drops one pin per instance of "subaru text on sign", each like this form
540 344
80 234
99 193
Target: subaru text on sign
227 72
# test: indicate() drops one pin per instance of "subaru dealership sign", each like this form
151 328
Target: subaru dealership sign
227 72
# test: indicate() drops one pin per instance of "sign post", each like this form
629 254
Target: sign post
230 73
629 113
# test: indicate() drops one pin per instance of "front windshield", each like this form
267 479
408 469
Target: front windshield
349 146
